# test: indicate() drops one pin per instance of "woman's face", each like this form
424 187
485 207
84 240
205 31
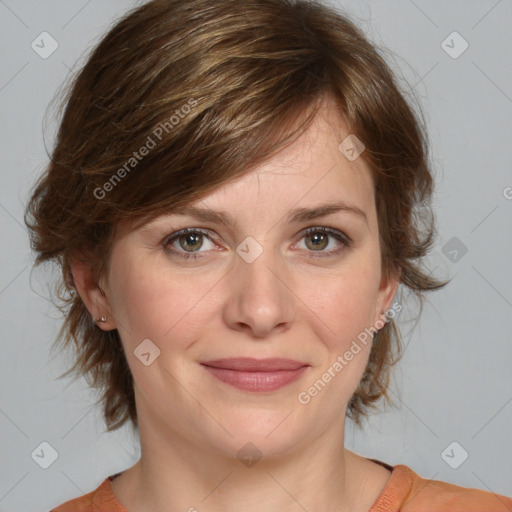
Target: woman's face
257 286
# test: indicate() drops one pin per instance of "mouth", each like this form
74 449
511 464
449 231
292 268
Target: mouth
258 375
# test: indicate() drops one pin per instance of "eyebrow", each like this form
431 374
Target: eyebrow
294 216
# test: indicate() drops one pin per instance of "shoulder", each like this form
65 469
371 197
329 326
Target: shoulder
408 492
94 501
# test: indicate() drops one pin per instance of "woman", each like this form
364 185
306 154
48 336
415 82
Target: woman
236 193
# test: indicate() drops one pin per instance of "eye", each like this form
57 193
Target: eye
318 238
187 242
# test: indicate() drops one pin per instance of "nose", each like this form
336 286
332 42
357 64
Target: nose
260 300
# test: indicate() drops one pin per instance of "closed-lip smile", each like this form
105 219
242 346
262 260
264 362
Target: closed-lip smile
256 374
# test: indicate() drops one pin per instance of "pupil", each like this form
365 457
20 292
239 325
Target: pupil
318 239
191 240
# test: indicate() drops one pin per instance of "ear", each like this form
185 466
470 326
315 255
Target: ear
387 291
92 295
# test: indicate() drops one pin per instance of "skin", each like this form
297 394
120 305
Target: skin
288 303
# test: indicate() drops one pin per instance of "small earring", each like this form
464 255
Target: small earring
101 319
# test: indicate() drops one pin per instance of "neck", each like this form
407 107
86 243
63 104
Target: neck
175 473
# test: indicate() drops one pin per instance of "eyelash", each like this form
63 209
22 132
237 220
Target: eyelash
345 241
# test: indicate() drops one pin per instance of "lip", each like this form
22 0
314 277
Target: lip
248 364
256 375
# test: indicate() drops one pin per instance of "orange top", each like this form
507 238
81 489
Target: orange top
405 492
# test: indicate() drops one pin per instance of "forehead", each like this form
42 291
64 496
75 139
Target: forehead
293 186
310 171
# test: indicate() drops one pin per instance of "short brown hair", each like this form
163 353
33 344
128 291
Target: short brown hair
252 74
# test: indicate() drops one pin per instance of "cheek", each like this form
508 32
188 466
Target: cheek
150 301
345 301
345 307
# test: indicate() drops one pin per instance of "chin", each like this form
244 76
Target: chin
273 432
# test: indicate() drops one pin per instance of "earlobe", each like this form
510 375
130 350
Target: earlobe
92 295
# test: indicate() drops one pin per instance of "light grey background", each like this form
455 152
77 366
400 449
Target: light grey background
455 377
